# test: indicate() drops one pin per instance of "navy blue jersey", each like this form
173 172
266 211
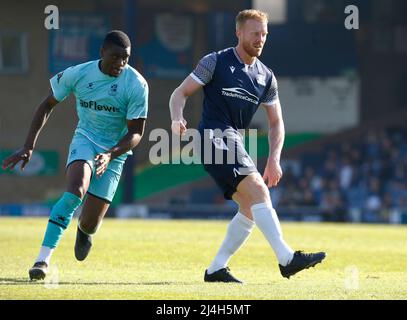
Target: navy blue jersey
233 90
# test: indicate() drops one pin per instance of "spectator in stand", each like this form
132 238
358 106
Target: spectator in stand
345 173
332 202
373 203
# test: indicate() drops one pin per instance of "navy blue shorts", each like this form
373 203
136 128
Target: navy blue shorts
225 159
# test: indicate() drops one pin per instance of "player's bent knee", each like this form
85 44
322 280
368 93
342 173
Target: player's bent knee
77 188
257 193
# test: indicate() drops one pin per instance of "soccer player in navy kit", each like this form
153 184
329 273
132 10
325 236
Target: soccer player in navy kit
235 84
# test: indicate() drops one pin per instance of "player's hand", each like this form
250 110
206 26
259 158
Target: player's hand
272 173
23 155
102 160
179 127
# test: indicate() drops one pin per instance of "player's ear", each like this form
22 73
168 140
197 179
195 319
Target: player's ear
101 52
238 31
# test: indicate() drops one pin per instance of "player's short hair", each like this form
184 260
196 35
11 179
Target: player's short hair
117 37
248 14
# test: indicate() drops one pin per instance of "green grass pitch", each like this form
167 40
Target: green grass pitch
166 259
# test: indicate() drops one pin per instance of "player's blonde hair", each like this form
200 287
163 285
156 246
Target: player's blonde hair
248 14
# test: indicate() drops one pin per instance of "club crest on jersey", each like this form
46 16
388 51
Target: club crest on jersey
261 79
113 90
232 68
90 85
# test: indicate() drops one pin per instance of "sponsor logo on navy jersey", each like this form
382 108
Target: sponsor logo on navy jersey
240 93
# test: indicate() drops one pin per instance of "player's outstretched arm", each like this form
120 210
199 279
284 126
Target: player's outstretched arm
273 173
41 116
177 103
133 137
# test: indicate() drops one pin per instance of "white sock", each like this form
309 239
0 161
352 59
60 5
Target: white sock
45 255
238 231
266 219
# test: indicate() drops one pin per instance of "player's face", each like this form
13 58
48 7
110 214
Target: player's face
252 35
114 59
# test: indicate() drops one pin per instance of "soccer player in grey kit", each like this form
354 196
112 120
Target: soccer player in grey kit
235 84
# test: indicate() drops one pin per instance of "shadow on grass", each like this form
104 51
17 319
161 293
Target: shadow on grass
24 281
